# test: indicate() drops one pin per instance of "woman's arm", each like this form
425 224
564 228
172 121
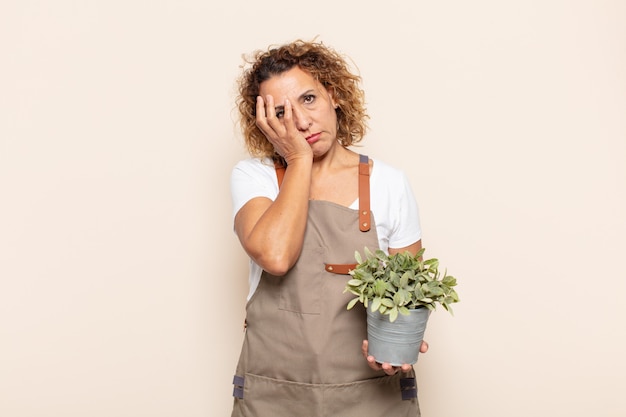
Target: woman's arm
414 248
272 232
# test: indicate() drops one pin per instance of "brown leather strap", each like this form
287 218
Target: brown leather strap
342 269
280 172
364 212
364 194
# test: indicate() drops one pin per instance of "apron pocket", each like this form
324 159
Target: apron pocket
380 396
301 289
265 396
377 397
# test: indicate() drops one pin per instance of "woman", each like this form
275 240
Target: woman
302 207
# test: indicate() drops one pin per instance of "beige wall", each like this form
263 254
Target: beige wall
122 286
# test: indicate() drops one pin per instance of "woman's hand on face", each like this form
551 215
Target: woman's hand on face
386 367
281 130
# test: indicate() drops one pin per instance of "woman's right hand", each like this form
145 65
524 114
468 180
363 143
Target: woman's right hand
281 130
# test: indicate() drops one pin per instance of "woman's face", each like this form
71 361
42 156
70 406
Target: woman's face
313 106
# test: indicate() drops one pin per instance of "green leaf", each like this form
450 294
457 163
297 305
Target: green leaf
398 299
376 302
402 297
387 302
352 290
393 314
419 294
355 282
432 263
436 291
404 281
450 281
394 279
352 303
380 287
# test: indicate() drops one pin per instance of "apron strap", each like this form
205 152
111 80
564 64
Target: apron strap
280 171
364 193
341 269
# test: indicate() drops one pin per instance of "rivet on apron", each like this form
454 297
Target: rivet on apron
364 224
329 268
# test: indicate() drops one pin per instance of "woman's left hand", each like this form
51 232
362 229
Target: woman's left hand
387 367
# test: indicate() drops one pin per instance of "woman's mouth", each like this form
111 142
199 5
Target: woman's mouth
313 138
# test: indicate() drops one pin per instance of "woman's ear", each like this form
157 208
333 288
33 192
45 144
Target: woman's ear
331 94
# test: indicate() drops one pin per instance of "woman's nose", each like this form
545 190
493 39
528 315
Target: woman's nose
301 118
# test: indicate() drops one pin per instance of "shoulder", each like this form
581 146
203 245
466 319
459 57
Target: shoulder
254 170
384 172
394 205
255 165
250 178
390 183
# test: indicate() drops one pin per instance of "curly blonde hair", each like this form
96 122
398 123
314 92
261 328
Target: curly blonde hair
326 66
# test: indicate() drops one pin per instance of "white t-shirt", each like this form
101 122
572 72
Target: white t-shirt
392 202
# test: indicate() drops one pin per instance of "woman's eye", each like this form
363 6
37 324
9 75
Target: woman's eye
280 113
309 99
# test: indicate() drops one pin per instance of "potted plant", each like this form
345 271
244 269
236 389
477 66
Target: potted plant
399 292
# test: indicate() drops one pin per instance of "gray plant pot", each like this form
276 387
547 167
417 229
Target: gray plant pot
398 342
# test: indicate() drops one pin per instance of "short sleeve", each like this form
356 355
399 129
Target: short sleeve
251 178
394 207
407 229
